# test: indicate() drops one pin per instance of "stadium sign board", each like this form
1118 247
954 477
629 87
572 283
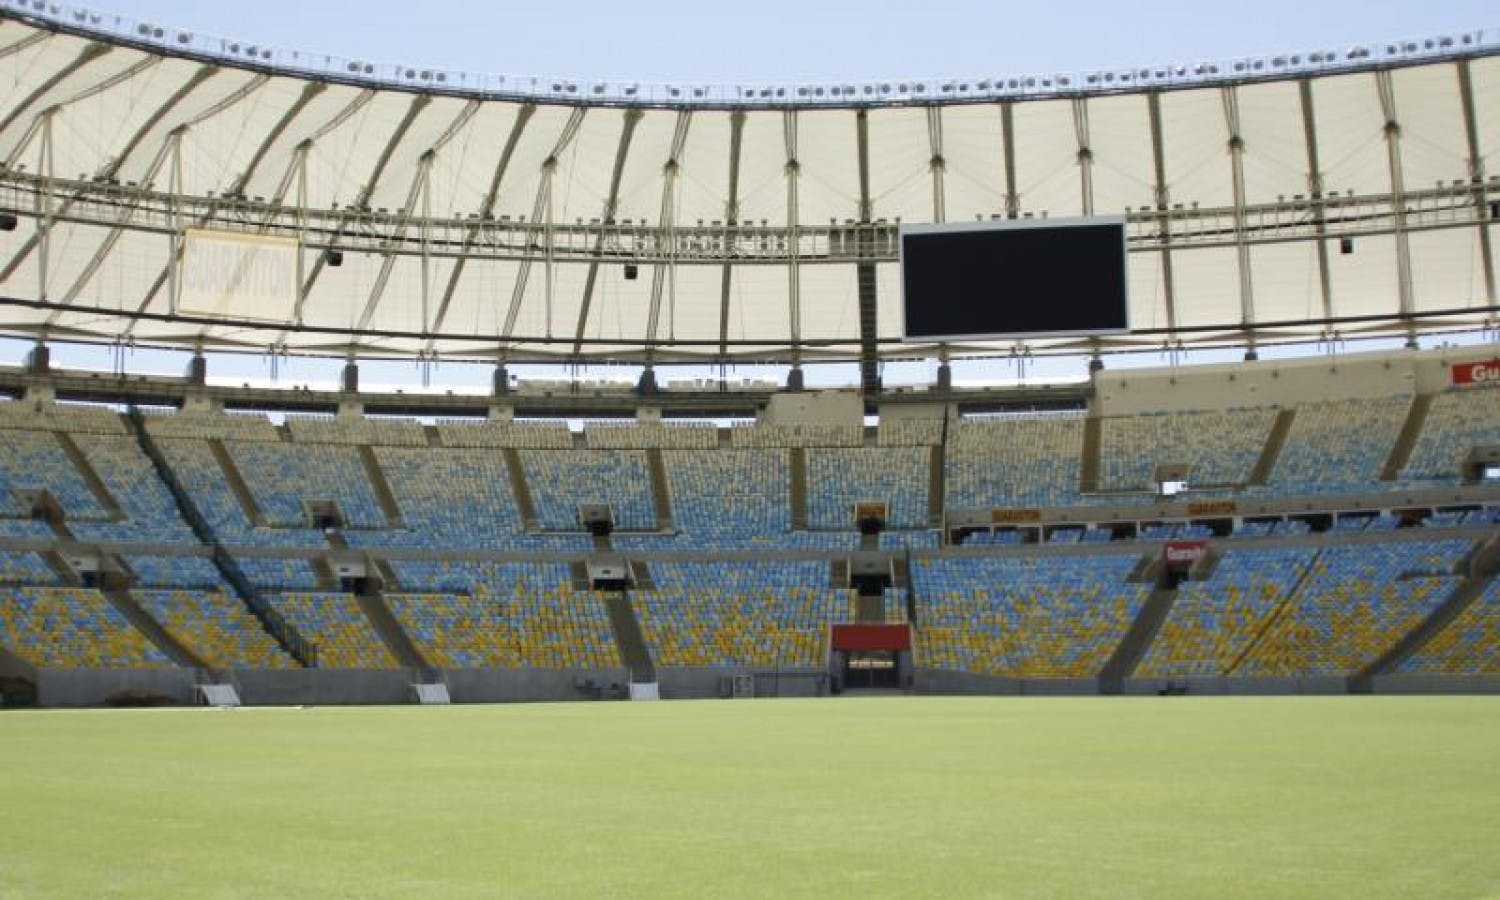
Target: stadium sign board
1482 372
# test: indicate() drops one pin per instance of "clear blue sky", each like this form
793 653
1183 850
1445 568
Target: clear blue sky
788 40
774 40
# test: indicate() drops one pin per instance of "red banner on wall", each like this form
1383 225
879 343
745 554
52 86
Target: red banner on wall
871 637
1482 372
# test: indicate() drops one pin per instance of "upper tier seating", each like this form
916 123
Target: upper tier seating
729 498
740 614
1212 623
1338 445
75 418
72 628
800 435
337 627
18 567
450 498
1037 617
643 435
278 574
1024 460
28 529
149 510
560 480
307 429
909 432
1469 645
534 435
227 425
1220 446
837 478
282 476
1357 601
1459 419
174 572
35 460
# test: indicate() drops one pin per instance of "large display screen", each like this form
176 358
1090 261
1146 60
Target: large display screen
1026 278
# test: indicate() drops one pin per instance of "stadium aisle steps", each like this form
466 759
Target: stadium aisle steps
90 475
1272 452
657 468
1088 466
935 488
391 633
381 488
175 650
1484 568
1133 646
799 489
629 638
1411 430
1283 607
525 505
237 484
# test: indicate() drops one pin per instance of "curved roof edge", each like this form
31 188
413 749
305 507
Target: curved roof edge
840 94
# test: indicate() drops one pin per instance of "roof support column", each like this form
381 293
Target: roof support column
731 220
1163 206
541 212
486 212
937 164
1476 178
632 119
1008 137
1085 154
664 275
1315 192
794 224
1392 128
1231 100
865 277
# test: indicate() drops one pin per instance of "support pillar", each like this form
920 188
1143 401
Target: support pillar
349 383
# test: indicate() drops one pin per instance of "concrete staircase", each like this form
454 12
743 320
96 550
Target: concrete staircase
382 488
629 638
1088 464
237 484
1406 441
90 475
935 488
1260 473
657 467
285 634
798 498
1483 566
395 638
1137 640
1286 604
179 653
524 504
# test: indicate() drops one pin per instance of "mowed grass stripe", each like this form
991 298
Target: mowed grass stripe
1150 797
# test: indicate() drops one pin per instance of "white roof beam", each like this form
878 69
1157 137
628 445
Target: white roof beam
1315 191
1476 177
541 211
1392 130
731 218
1230 98
662 273
627 132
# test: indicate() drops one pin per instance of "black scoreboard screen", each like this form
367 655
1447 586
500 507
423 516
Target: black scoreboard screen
1014 279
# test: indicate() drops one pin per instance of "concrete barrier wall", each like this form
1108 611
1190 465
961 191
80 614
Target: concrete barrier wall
509 685
704 682
1437 684
94 687
315 687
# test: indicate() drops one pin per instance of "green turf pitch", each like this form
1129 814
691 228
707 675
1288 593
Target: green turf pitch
919 797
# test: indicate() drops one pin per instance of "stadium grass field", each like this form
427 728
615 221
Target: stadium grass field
948 797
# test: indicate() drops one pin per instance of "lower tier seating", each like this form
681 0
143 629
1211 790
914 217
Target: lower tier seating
1469 645
72 628
1040 617
215 626
337 627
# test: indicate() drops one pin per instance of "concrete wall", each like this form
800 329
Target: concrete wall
704 682
93 687
815 408
1437 684
1268 383
313 687
1241 686
506 685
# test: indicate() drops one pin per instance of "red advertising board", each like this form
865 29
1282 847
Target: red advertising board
1483 372
1182 554
871 637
